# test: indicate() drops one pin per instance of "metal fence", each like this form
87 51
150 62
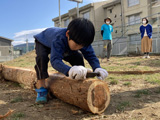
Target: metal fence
128 40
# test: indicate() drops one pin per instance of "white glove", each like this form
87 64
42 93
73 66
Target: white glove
89 70
103 73
78 72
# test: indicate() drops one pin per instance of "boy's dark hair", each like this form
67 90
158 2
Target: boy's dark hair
145 19
81 31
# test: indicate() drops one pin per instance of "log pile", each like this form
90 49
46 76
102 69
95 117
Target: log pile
90 95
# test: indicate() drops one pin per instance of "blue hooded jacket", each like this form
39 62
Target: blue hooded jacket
148 30
55 38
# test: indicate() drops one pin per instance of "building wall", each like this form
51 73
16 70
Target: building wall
114 12
120 13
4 42
98 15
141 9
95 10
5 47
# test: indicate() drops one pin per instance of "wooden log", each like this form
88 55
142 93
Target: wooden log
1 72
20 75
91 95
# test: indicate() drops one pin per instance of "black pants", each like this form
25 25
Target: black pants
42 60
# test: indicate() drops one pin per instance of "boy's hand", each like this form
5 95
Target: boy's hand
78 72
103 73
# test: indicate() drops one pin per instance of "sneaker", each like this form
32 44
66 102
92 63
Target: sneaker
148 56
144 56
41 95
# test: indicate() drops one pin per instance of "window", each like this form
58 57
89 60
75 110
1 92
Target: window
66 22
86 15
110 10
132 2
134 19
57 24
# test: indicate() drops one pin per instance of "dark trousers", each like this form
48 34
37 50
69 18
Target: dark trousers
107 48
42 60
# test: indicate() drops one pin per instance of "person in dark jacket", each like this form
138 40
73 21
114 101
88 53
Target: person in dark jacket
146 36
69 44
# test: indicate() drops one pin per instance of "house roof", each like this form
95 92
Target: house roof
6 38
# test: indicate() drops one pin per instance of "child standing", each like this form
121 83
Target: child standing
63 44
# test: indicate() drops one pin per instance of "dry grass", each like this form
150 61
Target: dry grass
116 64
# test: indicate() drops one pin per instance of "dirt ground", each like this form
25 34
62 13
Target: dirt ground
132 98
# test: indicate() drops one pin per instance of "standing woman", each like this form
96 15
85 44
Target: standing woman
106 32
146 36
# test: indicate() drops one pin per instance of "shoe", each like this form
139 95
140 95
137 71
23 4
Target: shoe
144 56
148 56
41 95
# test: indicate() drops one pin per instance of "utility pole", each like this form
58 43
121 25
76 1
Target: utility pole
77 9
59 15
122 16
26 45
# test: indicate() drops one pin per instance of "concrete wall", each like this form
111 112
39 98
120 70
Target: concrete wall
114 12
5 47
4 42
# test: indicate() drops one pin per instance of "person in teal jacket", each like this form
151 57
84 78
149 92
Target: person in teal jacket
106 32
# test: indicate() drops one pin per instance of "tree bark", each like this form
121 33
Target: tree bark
20 75
91 95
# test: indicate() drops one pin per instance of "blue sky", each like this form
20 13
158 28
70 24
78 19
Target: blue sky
21 19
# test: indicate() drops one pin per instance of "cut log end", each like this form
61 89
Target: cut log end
98 97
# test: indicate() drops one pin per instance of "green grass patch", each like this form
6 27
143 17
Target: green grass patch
123 105
133 66
15 84
153 79
127 84
17 116
114 82
137 63
139 93
17 99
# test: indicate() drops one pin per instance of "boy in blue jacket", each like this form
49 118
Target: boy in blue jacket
65 44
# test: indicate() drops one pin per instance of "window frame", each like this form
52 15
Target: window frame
136 2
88 12
66 22
136 19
